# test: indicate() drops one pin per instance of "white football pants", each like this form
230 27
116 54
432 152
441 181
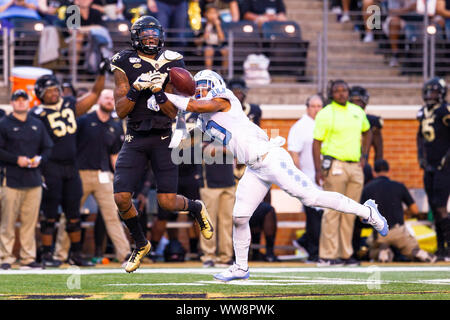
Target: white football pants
278 168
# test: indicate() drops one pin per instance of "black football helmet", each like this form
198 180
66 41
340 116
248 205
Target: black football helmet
153 28
44 82
434 91
357 92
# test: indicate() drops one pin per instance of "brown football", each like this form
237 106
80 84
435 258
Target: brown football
182 80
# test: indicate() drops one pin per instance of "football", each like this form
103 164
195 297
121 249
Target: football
182 81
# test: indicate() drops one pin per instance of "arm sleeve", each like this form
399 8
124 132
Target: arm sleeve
5 155
365 124
406 196
295 141
321 126
46 145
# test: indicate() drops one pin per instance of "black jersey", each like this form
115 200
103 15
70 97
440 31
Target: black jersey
435 130
61 124
141 118
375 121
253 112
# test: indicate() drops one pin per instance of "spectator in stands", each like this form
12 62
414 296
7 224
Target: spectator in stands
443 10
264 219
390 196
340 133
10 9
111 9
172 14
402 17
213 39
49 10
261 11
300 141
228 9
24 145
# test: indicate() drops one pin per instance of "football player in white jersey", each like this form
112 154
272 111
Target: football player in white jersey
222 118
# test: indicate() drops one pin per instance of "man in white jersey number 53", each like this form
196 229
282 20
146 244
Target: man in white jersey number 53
221 117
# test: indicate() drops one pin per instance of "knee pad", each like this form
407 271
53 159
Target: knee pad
47 227
73 226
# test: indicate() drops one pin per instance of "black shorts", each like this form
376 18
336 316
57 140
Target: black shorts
188 186
437 187
62 188
137 150
257 219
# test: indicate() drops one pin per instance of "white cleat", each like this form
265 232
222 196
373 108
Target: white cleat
233 273
375 219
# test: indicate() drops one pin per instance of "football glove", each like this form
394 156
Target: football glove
104 66
157 80
143 81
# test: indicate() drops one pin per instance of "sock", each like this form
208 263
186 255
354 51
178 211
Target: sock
75 247
46 249
194 206
135 229
269 246
193 245
241 241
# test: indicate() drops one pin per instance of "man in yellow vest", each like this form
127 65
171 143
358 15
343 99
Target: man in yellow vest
340 134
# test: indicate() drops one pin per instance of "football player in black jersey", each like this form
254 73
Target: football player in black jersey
433 144
149 128
61 177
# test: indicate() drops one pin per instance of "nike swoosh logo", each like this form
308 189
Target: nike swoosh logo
163 138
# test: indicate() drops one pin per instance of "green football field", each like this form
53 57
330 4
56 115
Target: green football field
271 282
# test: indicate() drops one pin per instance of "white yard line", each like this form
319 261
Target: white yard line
88 271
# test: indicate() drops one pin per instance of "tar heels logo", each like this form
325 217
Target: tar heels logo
218 91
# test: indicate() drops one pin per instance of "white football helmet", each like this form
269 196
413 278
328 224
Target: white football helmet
207 79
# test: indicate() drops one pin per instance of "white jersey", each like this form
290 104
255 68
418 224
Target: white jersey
243 138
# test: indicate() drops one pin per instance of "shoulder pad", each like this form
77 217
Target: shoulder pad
172 55
420 113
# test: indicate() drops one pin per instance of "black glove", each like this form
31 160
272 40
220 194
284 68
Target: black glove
104 66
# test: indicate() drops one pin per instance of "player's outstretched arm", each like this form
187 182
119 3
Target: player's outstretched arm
199 106
123 104
85 102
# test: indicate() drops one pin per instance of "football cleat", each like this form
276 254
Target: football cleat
136 256
233 273
204 221
375 219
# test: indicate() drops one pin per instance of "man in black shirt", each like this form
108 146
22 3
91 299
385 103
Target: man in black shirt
261 11
433 145
62 180
99 140
149 127
390 196
24 146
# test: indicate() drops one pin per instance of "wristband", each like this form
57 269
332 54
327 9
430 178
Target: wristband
160 97
133 94
179 102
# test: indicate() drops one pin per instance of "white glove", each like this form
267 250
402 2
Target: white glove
143 81
157 80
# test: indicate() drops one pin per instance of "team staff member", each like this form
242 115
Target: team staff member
24 146
148 131
300 141
433 145
390 196
62 180
337 137
98 143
